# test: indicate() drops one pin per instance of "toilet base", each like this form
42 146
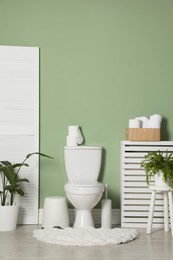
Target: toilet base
83 219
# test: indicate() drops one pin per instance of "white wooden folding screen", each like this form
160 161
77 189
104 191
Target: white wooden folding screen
135 195
19 119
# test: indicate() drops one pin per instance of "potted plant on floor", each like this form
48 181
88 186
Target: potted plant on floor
160 165
10 185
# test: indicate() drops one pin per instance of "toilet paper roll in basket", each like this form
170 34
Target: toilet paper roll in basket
135 123
155 121
144 121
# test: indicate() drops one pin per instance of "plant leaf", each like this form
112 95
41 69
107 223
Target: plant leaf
23 180
16 165
20 192
38 153
11 187
8 172
7 163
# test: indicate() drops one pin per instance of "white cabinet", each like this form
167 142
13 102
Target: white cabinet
135 195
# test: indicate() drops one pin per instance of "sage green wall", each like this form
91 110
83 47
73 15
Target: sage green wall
101 63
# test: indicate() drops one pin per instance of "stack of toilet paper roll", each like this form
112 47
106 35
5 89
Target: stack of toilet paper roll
153 121
74 136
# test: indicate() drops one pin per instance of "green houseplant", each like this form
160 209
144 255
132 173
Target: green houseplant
158 162
10 185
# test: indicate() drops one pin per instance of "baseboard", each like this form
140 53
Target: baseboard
116 216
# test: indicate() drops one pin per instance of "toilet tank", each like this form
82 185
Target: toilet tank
82 164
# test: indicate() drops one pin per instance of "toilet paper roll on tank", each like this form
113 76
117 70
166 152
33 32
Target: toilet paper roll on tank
74 137
154 121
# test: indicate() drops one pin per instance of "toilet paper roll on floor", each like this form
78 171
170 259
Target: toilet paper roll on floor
55 212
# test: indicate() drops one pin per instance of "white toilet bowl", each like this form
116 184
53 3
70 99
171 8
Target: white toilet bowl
82 164
84 198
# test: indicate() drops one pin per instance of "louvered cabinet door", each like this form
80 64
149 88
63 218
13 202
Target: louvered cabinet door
135 194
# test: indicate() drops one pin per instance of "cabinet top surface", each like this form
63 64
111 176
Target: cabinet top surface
147 143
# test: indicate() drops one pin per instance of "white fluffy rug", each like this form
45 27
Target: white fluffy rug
86 237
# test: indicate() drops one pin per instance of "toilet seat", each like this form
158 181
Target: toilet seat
84 188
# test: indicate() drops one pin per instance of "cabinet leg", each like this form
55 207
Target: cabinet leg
151 212
166 215
171 209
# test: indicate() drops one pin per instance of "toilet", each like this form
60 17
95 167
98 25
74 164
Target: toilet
82 164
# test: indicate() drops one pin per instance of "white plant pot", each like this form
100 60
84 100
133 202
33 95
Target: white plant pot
159 182
8 217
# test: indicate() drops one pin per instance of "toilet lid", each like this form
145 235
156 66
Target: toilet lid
85 186
82 147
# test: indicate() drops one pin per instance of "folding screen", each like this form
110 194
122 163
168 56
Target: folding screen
19 119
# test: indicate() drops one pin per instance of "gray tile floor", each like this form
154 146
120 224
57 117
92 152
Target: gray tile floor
20 245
